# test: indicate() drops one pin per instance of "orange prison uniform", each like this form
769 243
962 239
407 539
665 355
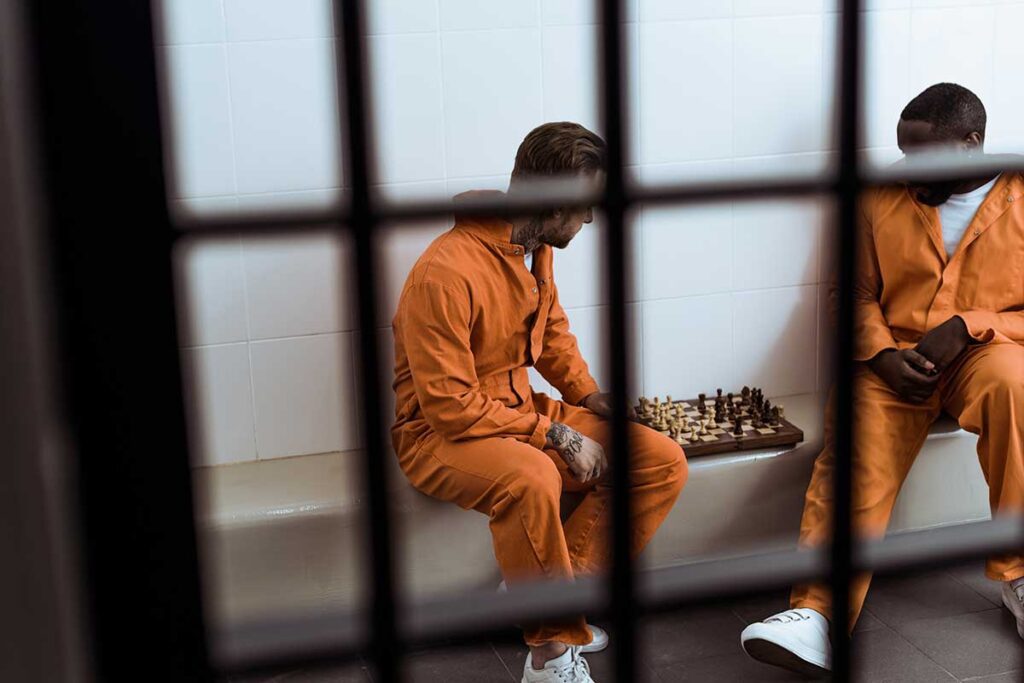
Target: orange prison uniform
469 429
905 285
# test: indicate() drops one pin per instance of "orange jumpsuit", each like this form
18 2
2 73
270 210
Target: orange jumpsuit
906 285
469 429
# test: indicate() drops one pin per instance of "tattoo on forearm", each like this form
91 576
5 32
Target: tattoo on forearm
568 442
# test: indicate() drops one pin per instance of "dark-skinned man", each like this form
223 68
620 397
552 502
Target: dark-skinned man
478 308
939 326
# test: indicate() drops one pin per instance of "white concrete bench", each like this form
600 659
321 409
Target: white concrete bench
283 535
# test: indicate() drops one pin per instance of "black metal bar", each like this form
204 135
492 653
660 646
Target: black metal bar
469 617
385 647
849 189
621 579
651 195
110 236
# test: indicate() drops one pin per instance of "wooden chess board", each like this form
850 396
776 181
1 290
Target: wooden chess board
702 434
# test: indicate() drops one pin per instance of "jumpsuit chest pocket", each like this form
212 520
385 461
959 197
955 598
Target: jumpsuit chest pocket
510 388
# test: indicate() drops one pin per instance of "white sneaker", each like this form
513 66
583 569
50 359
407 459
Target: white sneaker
796 639
598 642
569 667
1013 598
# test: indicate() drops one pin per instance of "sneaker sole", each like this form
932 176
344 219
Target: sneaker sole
1020 621
767 652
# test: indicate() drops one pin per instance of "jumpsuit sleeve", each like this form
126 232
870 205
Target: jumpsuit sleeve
871 332
561 362
984 326
436 322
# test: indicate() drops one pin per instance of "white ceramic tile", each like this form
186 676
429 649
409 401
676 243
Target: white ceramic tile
776 243
285 114
399 192
800 165
688 345
204 206
493 98
673 10
683 172
886 75
685 106
580 11
570 74
211 291
826 340
457 186
304 395
278 19
570 63
400 248
966 36
200 120
408 107
785 112
776 339
401 16
744 8
189 21
218 394
886 4
687 250
295 286
301 200
589 326
579 269
462 15
1006 102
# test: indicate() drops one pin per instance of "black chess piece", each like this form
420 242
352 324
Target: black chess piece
737 428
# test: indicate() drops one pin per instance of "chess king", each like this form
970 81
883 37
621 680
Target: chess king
478 308
939 325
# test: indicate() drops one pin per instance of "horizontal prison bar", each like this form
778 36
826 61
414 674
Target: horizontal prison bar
337 637
560 194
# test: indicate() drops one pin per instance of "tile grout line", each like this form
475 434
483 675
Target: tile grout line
502 661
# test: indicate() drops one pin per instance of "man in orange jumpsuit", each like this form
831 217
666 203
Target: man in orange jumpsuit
939 325
479 307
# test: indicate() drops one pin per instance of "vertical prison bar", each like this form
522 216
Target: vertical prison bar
352 85
621 580
847 196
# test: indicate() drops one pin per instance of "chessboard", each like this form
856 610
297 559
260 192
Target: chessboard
720 423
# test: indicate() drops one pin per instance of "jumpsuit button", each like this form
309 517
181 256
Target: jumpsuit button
977 232
534 290
516 252
1010 199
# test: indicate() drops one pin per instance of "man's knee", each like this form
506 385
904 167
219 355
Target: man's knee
662 454
537 480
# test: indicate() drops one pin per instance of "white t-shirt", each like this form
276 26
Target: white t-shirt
528 260
958 212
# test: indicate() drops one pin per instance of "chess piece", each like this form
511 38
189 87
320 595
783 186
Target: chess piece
773 421
737 429
782 411
767 407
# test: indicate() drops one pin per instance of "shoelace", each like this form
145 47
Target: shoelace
787 617
576 672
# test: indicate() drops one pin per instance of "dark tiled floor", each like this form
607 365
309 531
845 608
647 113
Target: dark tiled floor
938 627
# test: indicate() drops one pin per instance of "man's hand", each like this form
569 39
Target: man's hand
601 404
584 456
945 343
910 374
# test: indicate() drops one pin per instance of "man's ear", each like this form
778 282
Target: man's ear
974 141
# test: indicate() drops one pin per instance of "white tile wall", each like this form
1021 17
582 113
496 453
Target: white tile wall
304 396
724 295
218 388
